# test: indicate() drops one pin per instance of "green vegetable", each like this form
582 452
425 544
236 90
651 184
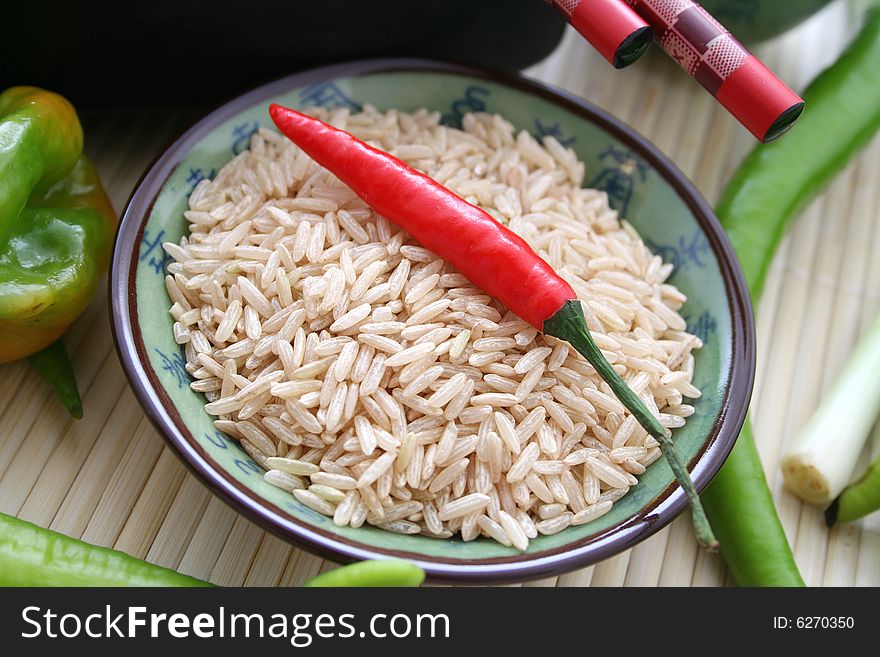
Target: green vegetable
33 556
741 510
859 499
53 365
56 229
819 462
774 182
393 572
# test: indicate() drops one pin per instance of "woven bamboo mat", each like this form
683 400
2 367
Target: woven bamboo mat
110 479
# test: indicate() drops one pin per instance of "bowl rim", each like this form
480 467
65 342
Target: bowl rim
586 551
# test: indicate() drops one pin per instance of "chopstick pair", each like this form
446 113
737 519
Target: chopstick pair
621 30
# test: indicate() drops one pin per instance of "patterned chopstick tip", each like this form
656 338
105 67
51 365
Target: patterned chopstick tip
704 48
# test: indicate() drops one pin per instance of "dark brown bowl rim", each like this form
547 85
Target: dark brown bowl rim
158 407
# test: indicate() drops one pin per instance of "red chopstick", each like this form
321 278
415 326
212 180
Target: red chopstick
619 34
704 48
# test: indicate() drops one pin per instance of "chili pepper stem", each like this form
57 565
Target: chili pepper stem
53 366
702 528
569 324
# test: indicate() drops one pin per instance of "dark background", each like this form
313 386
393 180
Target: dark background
187 52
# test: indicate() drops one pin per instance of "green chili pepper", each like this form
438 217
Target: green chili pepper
56 229
741 510
777 180
393 572
858 499
773 183
33 556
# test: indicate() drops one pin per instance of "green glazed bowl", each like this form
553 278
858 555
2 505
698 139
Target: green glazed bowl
641 183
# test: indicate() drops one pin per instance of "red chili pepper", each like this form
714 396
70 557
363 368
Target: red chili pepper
491 256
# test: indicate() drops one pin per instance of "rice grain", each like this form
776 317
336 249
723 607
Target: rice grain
377 384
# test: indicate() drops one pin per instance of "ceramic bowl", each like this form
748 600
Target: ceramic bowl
641 183
756 20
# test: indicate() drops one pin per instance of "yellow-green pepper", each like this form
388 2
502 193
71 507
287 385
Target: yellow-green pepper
56 228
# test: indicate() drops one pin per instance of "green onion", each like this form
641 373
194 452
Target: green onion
819 462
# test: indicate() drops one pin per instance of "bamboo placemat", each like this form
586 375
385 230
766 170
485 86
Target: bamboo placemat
110 479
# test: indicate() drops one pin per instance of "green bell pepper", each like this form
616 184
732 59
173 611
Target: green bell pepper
56 228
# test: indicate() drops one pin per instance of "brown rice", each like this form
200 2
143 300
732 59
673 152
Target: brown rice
376 384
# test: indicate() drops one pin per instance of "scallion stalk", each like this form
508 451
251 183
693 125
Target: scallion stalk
819 462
